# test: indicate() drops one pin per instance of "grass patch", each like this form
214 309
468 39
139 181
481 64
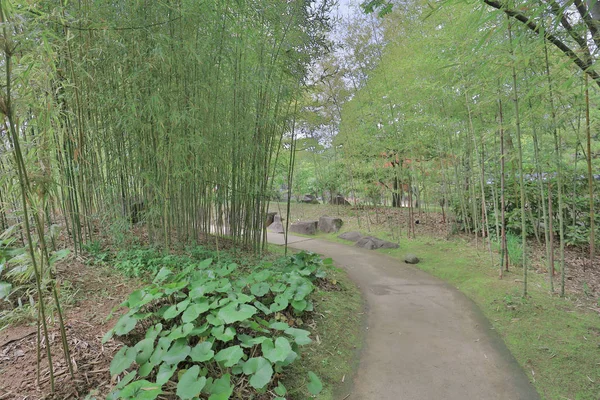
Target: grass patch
334 357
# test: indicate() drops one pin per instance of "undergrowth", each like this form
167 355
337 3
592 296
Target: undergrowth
214 329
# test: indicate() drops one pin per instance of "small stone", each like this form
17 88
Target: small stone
309 199
411 259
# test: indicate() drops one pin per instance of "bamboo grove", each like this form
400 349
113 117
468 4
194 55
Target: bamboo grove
165 112
487 112
162 114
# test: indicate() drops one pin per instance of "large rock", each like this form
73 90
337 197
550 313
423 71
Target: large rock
305 227
351 236
276 226
270 218
309 199
330 224
372 243
411 259
340 200
366 243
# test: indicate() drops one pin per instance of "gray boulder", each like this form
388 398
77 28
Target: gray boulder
304 227
351 236
309 199
330 224
411 259
276 226
366 243
270 218
372 243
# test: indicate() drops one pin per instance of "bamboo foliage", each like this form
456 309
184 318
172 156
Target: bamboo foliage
500 105
169 113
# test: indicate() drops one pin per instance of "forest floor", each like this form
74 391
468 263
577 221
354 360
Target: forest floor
93 293
554 339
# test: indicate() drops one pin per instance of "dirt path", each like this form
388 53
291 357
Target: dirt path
425 340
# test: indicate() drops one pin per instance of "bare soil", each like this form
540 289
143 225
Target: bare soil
98 292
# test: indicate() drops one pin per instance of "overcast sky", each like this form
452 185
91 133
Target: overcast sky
345 8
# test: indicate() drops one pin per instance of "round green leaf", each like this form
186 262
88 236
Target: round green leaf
202 352
140 390
314 383
194 311
130 376
144 349
221 389
222 334
177 352
176 309
190 385
280 326
122 360
234 312
160 350
260 289
300 335
280 390
262 307
277 352
153 331
299 305
181 331
229 356
165 372
261 371
162 275
125 324
281 303
146 368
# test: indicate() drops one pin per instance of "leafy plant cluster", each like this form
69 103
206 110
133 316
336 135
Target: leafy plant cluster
17 274
215 330
7 253
147 261
576 208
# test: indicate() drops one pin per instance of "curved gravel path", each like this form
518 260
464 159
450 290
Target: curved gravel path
425 340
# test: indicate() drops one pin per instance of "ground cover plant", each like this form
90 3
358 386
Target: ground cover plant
211 330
